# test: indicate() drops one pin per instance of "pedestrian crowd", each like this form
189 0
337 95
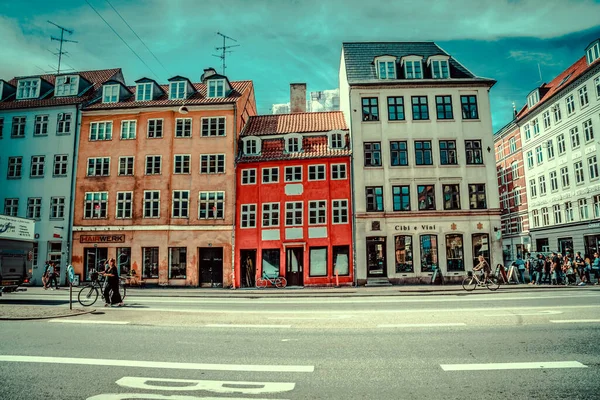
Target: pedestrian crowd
558 269
50 275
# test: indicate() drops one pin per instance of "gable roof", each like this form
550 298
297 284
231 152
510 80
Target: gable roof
198 98
359 56
273 149
96 78
562 80
308 122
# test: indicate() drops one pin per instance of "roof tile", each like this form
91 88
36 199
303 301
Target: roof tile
261 125
312 147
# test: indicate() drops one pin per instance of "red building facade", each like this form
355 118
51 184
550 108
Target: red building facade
293 206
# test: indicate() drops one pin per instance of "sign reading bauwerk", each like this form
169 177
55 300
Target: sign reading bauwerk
102 239
15 228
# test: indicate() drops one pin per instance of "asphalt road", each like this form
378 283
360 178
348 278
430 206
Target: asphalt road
541 345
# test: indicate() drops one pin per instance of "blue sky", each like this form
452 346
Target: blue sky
284 41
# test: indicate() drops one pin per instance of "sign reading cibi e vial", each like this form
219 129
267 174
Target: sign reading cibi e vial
102 239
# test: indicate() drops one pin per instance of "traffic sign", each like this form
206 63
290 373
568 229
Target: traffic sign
70 273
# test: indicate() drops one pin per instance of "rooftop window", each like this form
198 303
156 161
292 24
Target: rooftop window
177 90
66 85
216 88
28 88
592 52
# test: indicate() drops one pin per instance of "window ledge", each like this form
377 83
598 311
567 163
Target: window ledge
420 120
63 133
40 135
425 166
450 165
397 121
59 176
371 122
445 120
36 177
127 138
474 120
399 166
374 166
56 219
14 177
17 137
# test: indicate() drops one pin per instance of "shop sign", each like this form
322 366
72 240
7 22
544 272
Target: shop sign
15 228
102 239
594 225
422 227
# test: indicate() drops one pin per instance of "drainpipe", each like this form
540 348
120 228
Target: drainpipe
352 196
235 152
72 193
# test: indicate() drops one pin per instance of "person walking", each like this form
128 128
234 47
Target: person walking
111 290
521 266
595 268
51 276
579 267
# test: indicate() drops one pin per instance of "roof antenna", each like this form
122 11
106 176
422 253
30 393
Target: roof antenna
61 40
224 50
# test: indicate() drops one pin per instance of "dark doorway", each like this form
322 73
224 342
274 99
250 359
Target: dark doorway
210 266
542 245
376 263
565 246
247 268
294 269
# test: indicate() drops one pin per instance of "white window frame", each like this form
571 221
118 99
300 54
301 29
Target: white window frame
512 143
61 161
66 85
151 204
184 158
153 126
211 126
570 102
579 172
296 209
317 170
110 93
535 124
248 176
527 132
597 85
186 128
94 162
103 130
584 211
154 158
124 198
251 146
596 200
57 208
28 88
34 208
588 130
530 159
219 161
294 173
517 196
218 208
64 123
337 170
569 214
180 90
127 126
336 140
546 119
553 176
557 113
542 184
38 166
319 207
575 139
126 158
536 218
583 97
592 163
144 91
271 213
539 155
96 197
247 211
269 175
545 216
293 143
564 177
557 213
561 144
40 123
15 167
385 61
532 188
215 88
413 62
550 149
514 170
11 207
339 211
179 198
533 98
440 68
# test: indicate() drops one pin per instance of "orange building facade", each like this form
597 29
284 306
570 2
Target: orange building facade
156 180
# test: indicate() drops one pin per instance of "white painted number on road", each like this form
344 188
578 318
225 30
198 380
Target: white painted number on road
143 396
228 387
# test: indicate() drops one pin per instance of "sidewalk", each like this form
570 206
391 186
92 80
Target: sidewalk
347 291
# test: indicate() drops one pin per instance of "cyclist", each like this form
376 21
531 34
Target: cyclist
485 267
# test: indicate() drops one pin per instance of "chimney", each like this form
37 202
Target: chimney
297 97
207 72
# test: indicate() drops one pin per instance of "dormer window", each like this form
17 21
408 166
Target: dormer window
386 67
216 88
66 85
293 144
110 93
177 90
28 89
413 69
592 52
143 91
336 140
533 98
251 146
439 69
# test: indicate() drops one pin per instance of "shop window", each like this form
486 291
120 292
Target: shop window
177 262
124 260
455 253
95 259
429 253
481 248
341 260
270 262
404 254
150 256
318 261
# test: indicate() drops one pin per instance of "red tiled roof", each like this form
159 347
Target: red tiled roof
312 147
294 123
197 98
96 78
561 81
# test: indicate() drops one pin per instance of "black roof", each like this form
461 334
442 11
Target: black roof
359 57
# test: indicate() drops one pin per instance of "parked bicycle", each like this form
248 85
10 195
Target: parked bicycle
264 280
472 281
88 295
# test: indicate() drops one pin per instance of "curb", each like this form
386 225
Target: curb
46 317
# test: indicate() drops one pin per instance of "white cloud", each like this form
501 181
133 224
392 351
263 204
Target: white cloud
533 56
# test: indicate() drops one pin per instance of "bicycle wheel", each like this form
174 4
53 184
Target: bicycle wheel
88 295
281 282
261 283
469 283
492 283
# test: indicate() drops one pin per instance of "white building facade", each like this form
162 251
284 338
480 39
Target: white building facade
559 129
424 174
39 126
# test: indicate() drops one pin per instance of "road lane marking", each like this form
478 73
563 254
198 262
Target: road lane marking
421 325
83 321
503 366
158 364
313 318
573 321
188 385
543 312
246 326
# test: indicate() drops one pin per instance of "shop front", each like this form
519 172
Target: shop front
583 237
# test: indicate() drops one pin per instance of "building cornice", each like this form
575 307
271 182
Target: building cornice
423 84
174 108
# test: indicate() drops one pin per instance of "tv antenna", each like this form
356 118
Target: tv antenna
61 40
224 50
